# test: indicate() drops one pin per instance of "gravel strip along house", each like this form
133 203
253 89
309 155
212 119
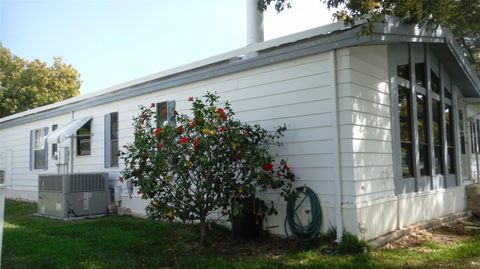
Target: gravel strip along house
385 128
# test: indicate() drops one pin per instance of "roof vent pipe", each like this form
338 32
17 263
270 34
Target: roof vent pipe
254 23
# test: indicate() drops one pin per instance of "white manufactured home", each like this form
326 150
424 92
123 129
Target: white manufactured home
385 128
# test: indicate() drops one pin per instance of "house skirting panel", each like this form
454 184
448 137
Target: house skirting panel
386 215
23 195
418 207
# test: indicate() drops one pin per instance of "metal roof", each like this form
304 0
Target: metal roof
310 42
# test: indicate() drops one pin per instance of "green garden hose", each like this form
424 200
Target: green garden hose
310 230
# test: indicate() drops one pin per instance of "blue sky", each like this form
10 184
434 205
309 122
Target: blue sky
113 41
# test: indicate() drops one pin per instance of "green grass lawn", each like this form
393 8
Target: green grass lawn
127 242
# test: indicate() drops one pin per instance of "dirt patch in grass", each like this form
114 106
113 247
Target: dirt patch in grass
425 240
220 242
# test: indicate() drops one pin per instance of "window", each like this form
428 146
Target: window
165 112
448 115
403 71
447 92
54 145
435 82
423 145
111 140
473 136
84 139
405 131
38 149
477 140
420 76
462 132
425 154
437 136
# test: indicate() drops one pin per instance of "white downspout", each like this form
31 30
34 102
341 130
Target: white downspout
336 151
254 23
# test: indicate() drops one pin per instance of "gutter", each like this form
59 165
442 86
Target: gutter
336 142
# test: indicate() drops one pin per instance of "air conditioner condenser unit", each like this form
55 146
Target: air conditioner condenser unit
73 195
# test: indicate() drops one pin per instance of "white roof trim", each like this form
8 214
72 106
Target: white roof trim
60 135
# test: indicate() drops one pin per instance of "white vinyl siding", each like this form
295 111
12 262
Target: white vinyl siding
16 139
298 93
365 125
366 147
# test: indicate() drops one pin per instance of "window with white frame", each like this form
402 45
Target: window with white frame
54 145
38 149
165 112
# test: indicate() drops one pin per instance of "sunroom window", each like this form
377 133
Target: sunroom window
405 131
449 132
425 153
422 122
437 136
435 80
420 76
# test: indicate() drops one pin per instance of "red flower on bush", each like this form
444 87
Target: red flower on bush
120 178
221 114
152 105
196 142
183 140
180 129
286 168
208 127
268 167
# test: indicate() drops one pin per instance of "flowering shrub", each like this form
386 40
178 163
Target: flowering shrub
203 163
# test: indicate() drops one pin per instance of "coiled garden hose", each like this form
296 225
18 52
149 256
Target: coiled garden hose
310 230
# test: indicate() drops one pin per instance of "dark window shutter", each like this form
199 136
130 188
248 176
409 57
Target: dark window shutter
31 149
107 142
45 146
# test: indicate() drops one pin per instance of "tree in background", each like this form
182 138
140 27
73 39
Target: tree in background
462 17
28 84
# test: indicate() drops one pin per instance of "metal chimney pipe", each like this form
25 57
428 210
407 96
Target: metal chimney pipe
254 23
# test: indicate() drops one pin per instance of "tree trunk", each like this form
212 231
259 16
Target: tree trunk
203 231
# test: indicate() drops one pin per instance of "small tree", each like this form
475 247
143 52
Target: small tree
202 163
